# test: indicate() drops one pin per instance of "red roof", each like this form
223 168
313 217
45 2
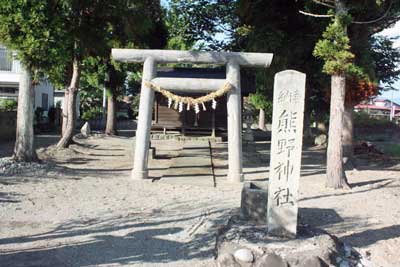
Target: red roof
367 106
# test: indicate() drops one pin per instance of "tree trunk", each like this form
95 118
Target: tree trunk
261 120
336 177
24 149
66 138
111 115
307 134
65 112
348 132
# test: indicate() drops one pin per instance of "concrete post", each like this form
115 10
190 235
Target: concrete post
140 170
234 105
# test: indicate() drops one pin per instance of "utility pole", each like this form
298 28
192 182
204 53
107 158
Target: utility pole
106 80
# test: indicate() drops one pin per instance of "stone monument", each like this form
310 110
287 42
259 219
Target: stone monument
85 130
286 146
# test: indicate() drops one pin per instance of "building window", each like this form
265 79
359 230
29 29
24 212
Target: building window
5 61
8 90
45 101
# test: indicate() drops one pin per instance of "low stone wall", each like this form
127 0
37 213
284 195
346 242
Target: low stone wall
8 122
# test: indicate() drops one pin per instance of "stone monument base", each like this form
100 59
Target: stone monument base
240 244
253 206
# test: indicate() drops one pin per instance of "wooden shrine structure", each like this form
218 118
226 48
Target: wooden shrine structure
205 122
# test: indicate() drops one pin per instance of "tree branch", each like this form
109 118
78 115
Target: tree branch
323 3
388 22
378 19
315 15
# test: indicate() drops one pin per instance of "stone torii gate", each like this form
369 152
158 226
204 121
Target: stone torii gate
233 62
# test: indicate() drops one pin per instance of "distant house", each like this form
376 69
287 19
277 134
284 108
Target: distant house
380 108
9 81
59 100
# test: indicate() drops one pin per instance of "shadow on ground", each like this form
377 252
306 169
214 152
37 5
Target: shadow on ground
369 237
126 240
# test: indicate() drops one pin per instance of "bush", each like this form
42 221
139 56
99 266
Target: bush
39 115
135 106
390 149
364 120
92 114
260 101
8 105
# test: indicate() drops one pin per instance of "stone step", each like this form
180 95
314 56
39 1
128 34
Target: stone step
179 137
191 166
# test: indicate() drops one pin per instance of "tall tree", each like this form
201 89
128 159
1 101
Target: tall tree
86 24
261 99
277 27
24 149
141 26
35 33
116 79
336 52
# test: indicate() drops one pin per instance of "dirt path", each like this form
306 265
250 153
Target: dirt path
88 212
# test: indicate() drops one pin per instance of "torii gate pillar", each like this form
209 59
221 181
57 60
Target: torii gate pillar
233 62
234 108
140 170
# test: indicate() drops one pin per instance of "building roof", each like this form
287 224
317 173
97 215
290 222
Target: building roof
380 100
367 106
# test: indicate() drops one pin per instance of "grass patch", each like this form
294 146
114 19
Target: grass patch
390 149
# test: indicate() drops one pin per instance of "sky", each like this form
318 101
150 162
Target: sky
393 32
164 3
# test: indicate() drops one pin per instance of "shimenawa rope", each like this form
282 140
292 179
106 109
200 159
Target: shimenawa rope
190 101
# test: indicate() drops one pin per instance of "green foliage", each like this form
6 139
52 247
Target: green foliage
36 31
136 25
389 148
265 26
334 49
49 34
352 48
201 23
39 114
260 101
92 113
135 105
386 60
364 120
93 72
8 105
134 80
178 24
90 98
91 84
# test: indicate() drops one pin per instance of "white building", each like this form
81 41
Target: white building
59 100
10 77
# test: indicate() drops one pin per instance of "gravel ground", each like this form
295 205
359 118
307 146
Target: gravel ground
82 209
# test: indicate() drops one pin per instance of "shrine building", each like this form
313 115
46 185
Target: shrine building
206 121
